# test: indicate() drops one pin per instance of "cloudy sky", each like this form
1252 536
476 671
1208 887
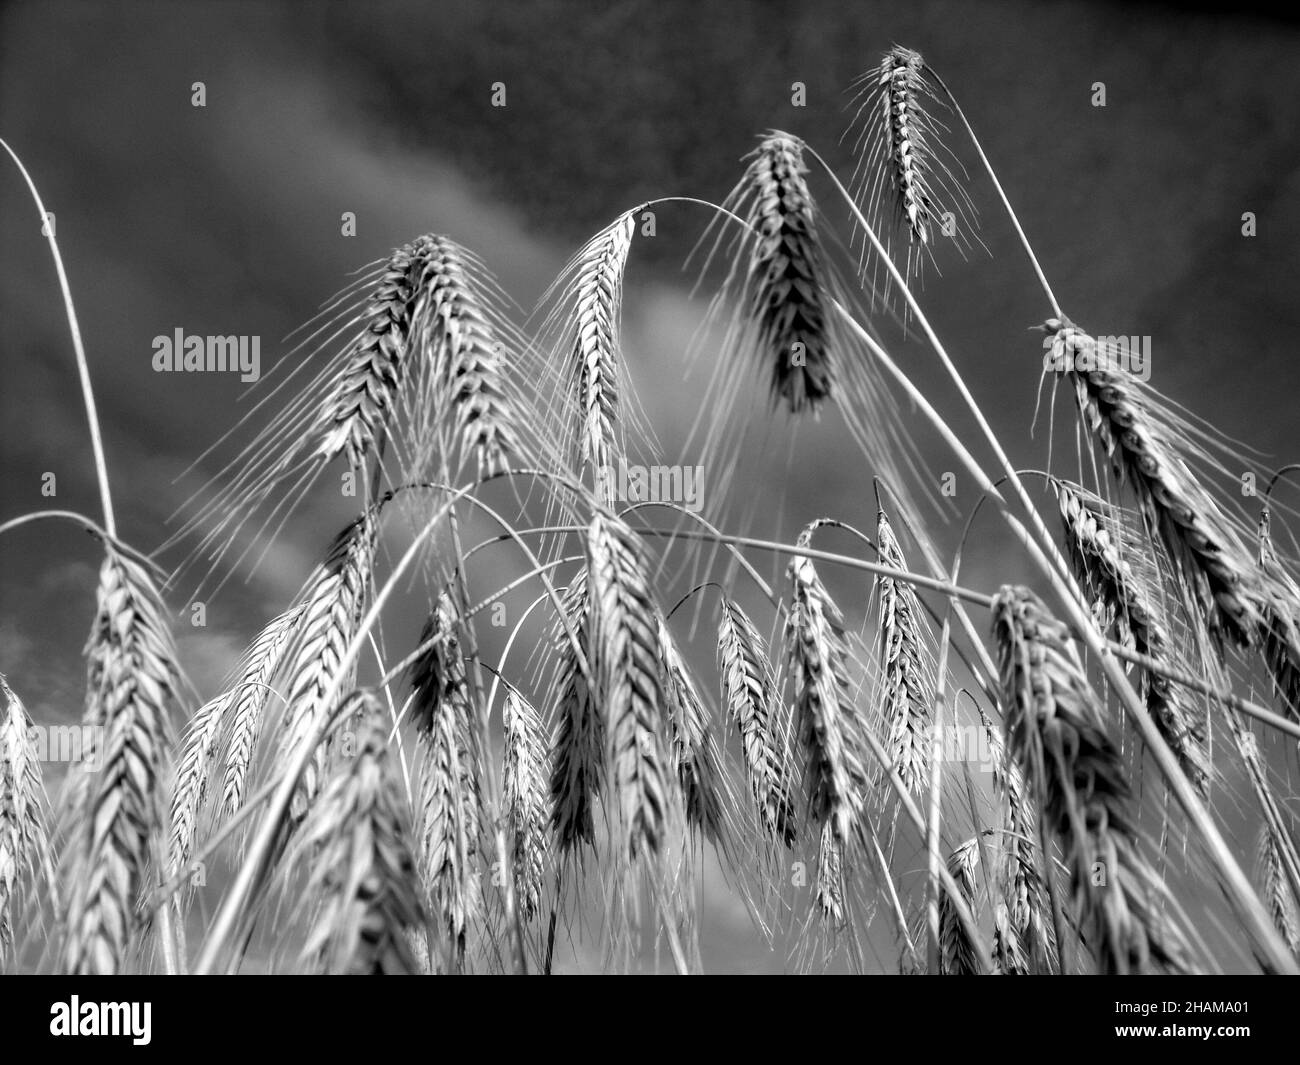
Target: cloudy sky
226 219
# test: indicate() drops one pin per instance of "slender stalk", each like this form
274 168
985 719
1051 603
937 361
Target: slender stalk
79 350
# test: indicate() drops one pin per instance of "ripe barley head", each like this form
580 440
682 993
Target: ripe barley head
24 839
1075 772
527 801
358 840
132 679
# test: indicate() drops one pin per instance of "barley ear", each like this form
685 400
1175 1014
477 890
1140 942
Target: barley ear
24 815
527 800
132 681
358 838
1075 773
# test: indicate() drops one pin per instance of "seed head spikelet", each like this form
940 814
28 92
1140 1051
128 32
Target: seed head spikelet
1275 890
579 744
625 664
24 814
132 682
817 655
527 800
958 956
358 840
750 695
1058 737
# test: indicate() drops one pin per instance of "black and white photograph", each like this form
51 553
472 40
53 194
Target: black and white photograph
650 488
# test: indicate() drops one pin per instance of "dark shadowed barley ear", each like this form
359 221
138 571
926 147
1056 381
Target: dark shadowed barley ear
1279 605
451 819
785 275
1076 774
132 680
376 362
1129 608
625 664
908 691
578 749
958 956
1020 878
1275 890
834 773
249 694
750 695
1211 564
357 838
597 361
24 814
333 603
695 751
527 800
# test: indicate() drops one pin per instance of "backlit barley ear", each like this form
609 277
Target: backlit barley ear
376 363
1142 440
579 744
902 179
1130 609
907 678
625 663
1009 958
817 654
785 276
526 799
1076 774
958 956
132 680
451 821
750 694
699 764
830 876
1279 630
190 789
1275 890
333 604
357 838
249 695
1020 878
460 328
597 376
24 810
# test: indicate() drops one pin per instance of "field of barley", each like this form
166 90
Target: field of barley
791 489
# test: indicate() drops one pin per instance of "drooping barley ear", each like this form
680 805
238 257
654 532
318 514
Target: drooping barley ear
598 374
1275 890
1279 630
908 690
1020 877
132 681
333 604
902 179
1009 957
24 814
958 956
1129 608
695 751
357 837
830 875
750 694
192 773
579 745
460 328
376 362
785 276
451 821
625 665
1141 438
527 800
1076 774
834 774
249 695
